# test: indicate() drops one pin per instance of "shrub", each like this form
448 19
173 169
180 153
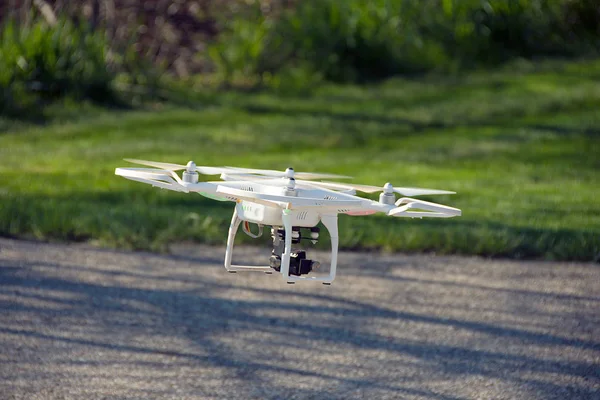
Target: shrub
47 62
343 41
491 32
357 40
41 62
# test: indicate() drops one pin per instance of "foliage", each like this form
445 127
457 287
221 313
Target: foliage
489 32
358 40
40 61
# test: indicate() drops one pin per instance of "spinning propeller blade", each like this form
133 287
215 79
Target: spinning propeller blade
156 164
408 191
287 173
388 188
176 167
254 173
236 170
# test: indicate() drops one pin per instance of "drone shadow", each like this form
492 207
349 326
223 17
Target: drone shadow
197 331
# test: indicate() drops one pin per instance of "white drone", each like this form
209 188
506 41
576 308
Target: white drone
288 202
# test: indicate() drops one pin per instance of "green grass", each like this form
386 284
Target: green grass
521 146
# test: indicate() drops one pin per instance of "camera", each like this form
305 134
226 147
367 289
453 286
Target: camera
299 264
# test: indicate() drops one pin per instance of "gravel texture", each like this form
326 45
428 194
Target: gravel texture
77 322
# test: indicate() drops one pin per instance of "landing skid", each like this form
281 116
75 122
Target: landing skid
330 223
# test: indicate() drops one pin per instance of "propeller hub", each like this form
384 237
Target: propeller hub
388 188
191 166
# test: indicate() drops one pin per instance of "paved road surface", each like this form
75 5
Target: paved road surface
84 323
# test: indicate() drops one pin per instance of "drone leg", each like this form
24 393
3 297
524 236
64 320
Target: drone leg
330 222
287 252
233 227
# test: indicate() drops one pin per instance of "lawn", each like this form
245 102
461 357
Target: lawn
519 145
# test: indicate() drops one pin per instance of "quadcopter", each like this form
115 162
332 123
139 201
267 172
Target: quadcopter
291 203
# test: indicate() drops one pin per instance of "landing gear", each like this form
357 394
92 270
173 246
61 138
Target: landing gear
293 265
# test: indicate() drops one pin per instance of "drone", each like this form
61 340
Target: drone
292 204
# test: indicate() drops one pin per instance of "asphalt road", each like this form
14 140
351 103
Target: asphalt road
83 323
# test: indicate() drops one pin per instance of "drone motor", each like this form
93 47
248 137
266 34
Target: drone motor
387 196
190 175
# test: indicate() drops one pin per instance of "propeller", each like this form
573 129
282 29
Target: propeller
288 173
191 167
387 189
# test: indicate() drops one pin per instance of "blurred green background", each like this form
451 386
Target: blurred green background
497 100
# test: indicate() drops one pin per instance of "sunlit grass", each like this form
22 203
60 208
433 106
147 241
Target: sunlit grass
520 148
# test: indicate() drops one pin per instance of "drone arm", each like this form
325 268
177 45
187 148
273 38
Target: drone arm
425 209
207 189
403 208
237 195
156 178
289 202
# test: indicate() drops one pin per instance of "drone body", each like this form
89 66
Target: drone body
290 203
